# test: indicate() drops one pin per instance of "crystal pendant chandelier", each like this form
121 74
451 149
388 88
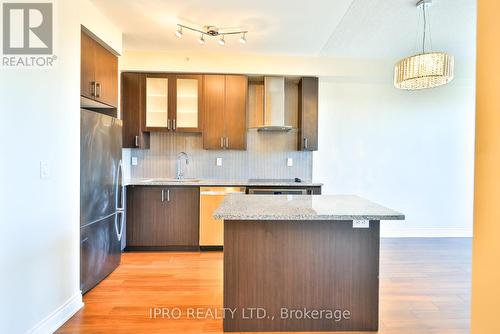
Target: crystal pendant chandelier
425 70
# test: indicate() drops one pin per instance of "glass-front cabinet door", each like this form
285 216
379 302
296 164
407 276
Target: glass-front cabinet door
173 102
158 102
188 101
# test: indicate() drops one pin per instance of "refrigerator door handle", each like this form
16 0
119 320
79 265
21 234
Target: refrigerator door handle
119 217
120 202
119 190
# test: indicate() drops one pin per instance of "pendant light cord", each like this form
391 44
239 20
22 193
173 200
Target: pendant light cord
425 26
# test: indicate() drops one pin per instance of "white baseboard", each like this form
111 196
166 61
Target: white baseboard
57 318
392 232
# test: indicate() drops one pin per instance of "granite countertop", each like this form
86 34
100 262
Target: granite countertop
302 207
204 182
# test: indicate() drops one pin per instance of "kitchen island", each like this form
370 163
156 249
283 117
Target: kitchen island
301 262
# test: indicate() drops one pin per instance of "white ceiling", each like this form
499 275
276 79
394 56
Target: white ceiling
383 29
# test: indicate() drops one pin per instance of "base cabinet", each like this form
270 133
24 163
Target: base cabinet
162 218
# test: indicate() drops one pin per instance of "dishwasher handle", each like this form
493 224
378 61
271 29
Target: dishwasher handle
221 191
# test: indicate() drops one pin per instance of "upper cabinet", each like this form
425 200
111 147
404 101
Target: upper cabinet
132 111
214 105
173 102
157 101
225 100
188 103
308 114
99 72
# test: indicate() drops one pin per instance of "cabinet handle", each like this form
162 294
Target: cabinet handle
92 88
221 142
168 195
168 124
305 143
136 141
227 142
97 89
163 195
173 124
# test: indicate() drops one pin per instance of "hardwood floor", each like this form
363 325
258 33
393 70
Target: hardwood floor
424 289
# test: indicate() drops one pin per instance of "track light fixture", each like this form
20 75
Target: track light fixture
213 31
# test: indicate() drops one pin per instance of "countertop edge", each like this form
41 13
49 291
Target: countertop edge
308 218
222 183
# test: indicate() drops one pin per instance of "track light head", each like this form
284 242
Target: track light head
222 42
201 40
243 39
178 33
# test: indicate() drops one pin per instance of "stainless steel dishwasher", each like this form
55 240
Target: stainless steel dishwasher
211 229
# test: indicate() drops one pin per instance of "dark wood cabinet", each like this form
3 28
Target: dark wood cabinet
235 112
168 101
173 102
87 60
225 100
106 76
214 128
308 114
186 113
99 72
162 217
132 110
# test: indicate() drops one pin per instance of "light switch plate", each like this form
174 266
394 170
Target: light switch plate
219 162
44 169
289 162
361 223
134 161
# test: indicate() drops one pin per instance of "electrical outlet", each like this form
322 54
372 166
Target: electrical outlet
361 223
44 170
134 161
219 162
289 162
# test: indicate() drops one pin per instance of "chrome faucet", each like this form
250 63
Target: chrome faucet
181 156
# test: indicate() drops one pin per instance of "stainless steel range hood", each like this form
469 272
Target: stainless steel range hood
274 105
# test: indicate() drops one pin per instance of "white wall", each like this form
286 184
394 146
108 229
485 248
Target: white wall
39 219
412 151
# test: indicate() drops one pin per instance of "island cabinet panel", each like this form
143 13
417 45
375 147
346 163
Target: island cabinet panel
297 265
99 72
132 92
225 101
162 218
308 114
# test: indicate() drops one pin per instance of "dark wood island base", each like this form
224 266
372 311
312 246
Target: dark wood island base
300 275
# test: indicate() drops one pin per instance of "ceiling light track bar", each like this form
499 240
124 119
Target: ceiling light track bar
212 31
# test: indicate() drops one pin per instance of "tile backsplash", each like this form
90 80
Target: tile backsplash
266 157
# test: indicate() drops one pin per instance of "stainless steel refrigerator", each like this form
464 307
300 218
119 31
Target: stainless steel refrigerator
102 213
